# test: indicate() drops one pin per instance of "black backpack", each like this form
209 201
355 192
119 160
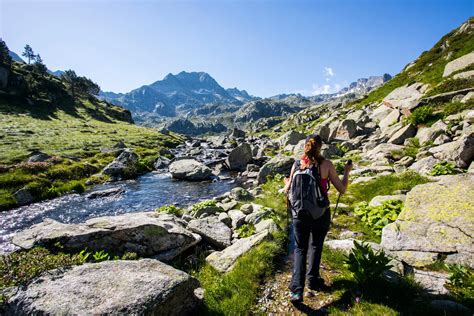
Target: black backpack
306 192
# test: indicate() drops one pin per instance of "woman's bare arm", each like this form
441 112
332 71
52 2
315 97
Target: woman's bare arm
341 186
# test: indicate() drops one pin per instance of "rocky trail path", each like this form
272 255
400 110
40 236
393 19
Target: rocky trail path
274 297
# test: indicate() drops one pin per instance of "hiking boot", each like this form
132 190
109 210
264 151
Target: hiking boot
296 297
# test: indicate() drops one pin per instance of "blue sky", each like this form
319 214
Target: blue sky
265 47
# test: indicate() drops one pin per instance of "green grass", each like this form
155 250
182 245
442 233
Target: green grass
451 85
234 293
384 185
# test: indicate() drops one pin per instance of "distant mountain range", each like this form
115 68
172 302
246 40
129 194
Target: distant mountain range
15 57
177 95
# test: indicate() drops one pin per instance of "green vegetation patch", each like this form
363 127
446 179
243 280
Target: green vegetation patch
377 217
443 168
170 209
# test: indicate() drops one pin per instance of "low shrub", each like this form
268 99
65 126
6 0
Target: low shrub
421 115
451 85
170 209
366 265
461 283
377 217
203 204
456 107
443 168
246 230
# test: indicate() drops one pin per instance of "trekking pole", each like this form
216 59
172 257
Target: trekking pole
349 163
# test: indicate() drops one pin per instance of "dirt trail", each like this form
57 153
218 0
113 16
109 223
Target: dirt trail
274 294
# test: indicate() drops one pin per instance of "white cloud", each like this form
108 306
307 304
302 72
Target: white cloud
328 72
325 88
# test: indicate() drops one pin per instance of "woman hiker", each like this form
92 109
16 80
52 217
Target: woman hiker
304 224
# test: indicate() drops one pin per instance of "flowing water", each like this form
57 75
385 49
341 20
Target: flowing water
144 194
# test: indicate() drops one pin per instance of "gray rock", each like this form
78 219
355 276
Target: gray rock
458 64
346 130
240 194
228 206
38 156
405 132
237 217
246 209
389 120
424 165
465 259
330 150
291 138
406 98
276 165
123 167
148 234
161 163
380 113
441 139
323 131
416 258
378 200
237 133
460 151
105 193
239 157
267 224
189 169
468 97
346 245
429 134
298 150
135 287
437 218
431 281
205 211
224 260
257 216
23 197
224 218
212 231
383 150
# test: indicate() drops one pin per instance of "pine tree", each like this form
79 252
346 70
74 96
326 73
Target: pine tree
70 77
28 53
40 67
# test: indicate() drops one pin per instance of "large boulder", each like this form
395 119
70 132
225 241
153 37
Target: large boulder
298 150
438 217
135 287
189 169
458 64
147 234
383 150
346 130
425 165
380 113
213 231
403 133
291 138
123 167
390 119
429 134
323 131
405 98
224 260
239 157
460 151
276 165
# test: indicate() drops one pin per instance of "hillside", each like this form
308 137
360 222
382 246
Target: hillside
76 135
428 68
